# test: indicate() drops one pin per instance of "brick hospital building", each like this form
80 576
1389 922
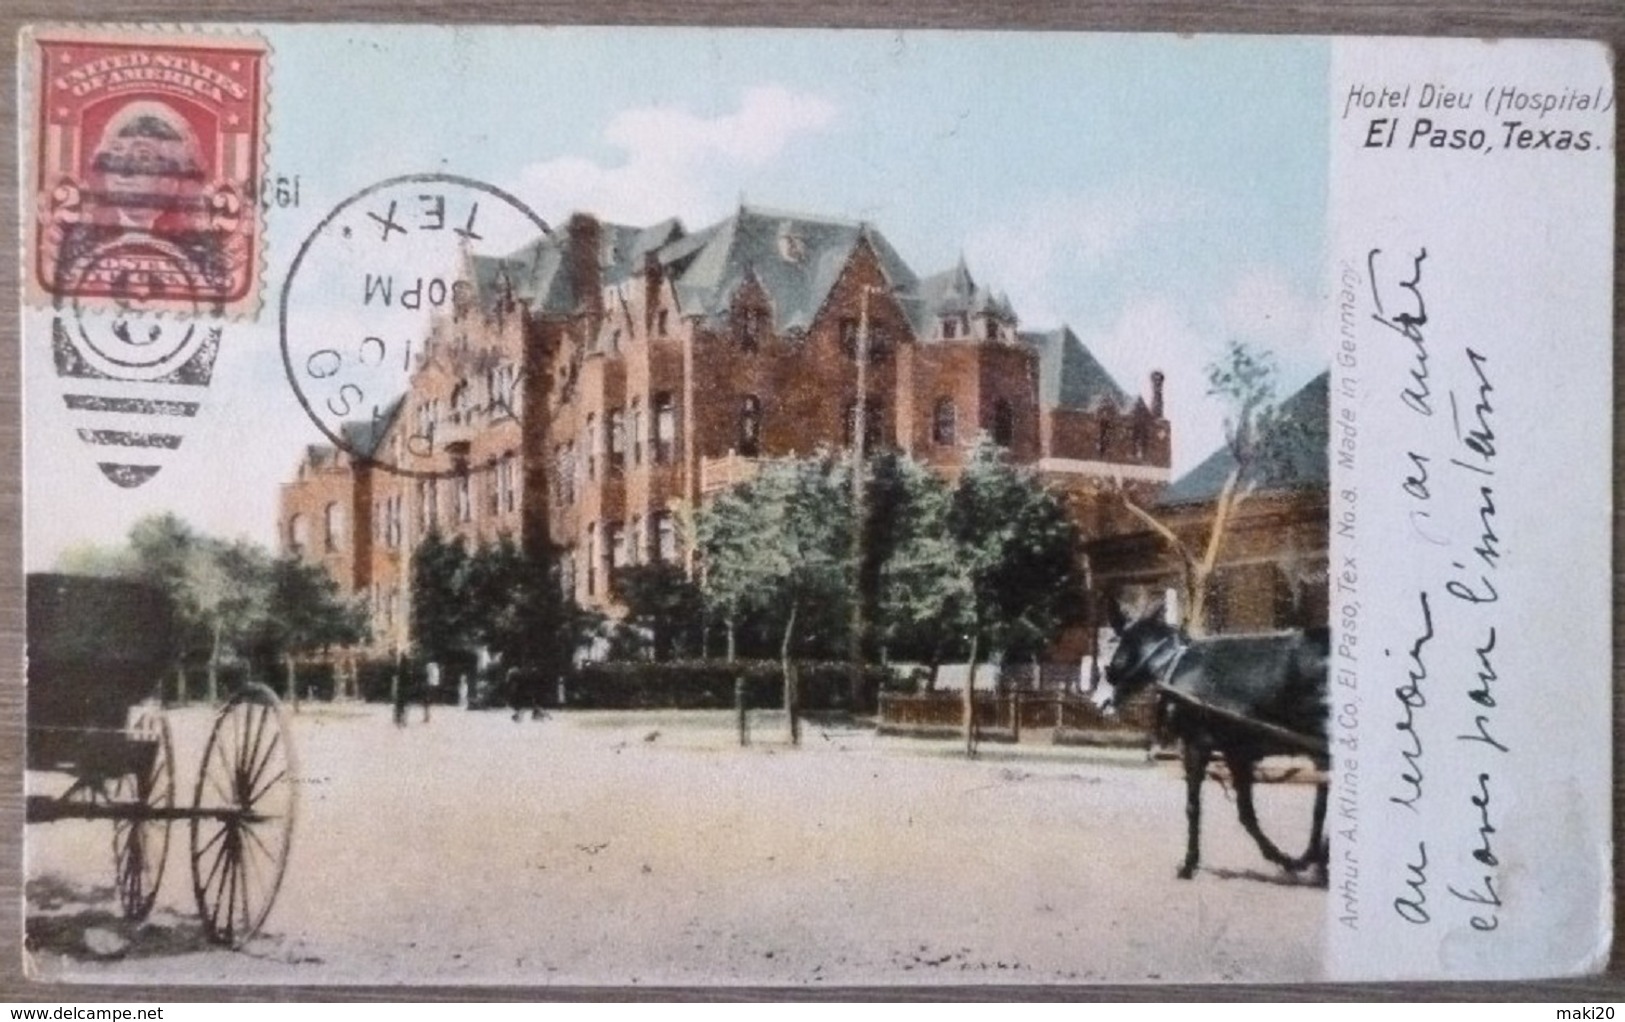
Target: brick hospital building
596 388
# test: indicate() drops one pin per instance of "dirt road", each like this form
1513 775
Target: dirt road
651 849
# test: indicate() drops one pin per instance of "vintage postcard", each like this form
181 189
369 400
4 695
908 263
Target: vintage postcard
809 508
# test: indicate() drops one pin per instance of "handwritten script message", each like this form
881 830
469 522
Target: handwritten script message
1443 688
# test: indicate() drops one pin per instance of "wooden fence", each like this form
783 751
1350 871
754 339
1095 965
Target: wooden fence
1018 716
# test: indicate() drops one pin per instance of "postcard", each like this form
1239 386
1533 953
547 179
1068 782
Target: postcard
798 508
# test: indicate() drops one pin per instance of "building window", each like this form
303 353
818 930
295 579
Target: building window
1140 439
665 537
640 541
750 324
851 337
333 522
428 504
615 425
396 532
950 328
750 426
508 482
298 535
661 325
459 402
590 444
592 558
635 425
873 418
465 502
1004 423
615 341
615 538
665 438
944 422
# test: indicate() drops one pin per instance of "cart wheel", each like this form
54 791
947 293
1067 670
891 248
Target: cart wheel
245 804
141 842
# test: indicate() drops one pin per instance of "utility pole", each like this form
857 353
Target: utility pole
860 429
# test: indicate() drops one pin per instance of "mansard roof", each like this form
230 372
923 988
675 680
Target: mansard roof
1295 456
1069 375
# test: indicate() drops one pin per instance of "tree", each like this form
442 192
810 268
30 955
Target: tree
1013 550
304 612
779 545
924 599
1256 436
441 618
517 609
664 604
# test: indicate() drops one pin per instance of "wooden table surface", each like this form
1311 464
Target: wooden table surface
1587 19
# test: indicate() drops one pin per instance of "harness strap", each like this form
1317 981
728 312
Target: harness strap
1309 743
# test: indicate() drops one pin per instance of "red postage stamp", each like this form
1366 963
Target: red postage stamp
146 169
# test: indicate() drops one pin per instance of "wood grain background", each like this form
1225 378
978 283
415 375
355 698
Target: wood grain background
1590 19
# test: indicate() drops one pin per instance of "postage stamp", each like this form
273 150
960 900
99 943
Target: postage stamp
148 157
803 508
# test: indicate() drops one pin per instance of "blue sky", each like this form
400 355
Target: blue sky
1159 194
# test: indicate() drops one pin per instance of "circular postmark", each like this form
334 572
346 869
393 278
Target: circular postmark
388 340
148 319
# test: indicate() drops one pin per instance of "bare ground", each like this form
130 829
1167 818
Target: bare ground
651 849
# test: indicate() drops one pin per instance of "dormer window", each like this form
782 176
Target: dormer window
792 246
950 329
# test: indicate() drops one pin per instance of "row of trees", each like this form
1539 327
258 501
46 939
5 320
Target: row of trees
984 566
234 601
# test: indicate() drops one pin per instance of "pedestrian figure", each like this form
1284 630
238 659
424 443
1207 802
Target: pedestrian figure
397 691
431 688
525 693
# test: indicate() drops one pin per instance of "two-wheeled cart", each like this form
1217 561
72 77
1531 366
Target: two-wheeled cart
98 650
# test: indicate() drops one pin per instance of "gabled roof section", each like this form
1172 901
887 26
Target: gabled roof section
796 258
362 436
1296 453
1069 375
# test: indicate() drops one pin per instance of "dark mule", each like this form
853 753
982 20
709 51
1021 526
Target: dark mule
1244 697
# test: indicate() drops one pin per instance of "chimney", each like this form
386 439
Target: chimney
1156 393
584 238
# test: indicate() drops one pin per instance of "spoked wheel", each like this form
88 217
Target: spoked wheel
244 804
141 840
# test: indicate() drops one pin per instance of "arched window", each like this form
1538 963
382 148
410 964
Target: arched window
1004 423
333 523
459 402
944 422
750 426
298 534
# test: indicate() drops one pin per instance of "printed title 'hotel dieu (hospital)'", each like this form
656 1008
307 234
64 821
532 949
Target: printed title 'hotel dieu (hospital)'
592 390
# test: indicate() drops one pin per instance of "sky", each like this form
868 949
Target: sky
1161 195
